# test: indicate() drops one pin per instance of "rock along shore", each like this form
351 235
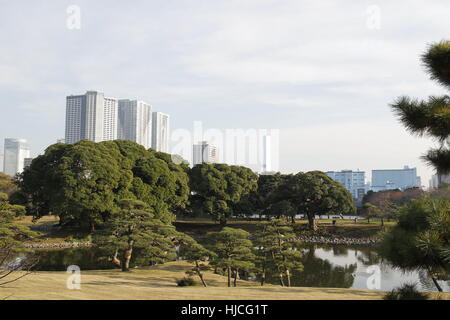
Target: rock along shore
57 245
339 240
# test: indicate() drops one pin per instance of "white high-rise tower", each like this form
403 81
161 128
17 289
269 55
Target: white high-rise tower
91 116
204 152
16 150
160 132
135 122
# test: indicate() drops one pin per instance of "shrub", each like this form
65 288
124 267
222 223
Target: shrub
407 291
186 282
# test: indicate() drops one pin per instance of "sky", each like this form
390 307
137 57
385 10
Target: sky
323 73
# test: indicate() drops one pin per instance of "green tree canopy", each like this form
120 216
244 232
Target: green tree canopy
431 117
314 193
84 182
132 227
219 188
12 238
421 238
233 249
277 251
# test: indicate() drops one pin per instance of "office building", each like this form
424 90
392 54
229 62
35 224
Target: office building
15 152
204 152
160 132
91 116
135 122
353 181
394 179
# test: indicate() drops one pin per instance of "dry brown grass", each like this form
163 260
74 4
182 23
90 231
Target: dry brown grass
158 283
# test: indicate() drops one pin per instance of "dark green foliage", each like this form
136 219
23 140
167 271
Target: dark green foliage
195 253
277 251
12 238
233 251
186 282
311 193
218 189
421 238
431 117
83 183
407 291
134 226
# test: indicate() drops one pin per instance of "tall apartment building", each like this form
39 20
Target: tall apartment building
135 122
160 132
204 152
16 150
91 116
353 181
395 179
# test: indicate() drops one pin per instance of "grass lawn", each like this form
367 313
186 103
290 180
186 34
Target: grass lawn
158 283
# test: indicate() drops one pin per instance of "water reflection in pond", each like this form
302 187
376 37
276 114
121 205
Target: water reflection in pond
324 266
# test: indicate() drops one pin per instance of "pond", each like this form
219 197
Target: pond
324 266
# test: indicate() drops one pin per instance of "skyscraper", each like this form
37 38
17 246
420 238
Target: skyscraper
91 116
135 122
204 152
16 150
160 132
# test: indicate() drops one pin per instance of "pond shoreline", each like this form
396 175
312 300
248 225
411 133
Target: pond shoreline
305 239
368 242
58 245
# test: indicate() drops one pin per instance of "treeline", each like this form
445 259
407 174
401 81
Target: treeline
86 183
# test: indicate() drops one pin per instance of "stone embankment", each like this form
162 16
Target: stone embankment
339 240
57 245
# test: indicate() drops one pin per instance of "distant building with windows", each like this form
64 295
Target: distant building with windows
353 181
204 152
91 116
135 122
15 153
391 179
160 132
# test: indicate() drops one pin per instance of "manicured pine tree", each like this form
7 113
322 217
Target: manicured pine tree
278 251
233 250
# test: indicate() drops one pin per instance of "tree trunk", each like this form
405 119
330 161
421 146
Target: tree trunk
91 227
433 277
312 222
382 222
200 275
127 257
235 277
115 260
288 277
229 276
281 279
263 277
